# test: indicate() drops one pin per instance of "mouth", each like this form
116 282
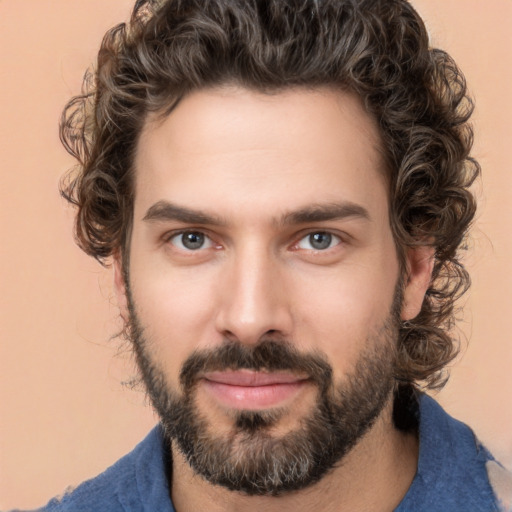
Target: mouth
253 390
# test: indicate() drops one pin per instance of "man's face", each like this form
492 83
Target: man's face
263 280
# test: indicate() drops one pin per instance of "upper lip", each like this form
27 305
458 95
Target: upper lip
252 378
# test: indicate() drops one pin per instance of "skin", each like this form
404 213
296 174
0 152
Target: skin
250 164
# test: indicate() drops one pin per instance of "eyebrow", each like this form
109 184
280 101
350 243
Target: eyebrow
167 211
325 212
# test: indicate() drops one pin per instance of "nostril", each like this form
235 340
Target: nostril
230 336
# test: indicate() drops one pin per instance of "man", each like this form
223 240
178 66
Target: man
282 187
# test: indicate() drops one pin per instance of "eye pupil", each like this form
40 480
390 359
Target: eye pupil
320 240
192 240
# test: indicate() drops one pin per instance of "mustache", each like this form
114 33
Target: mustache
268 355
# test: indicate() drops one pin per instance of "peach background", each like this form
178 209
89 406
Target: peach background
64 415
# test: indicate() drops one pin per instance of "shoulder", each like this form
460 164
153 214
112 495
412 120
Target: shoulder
455 471
134 482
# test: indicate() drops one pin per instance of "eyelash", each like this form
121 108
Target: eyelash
176 234
331 237
295 246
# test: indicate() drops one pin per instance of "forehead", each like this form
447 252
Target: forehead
230 148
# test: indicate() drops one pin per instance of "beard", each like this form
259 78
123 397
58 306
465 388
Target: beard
250 458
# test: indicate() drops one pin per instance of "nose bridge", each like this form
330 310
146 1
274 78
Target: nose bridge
253 300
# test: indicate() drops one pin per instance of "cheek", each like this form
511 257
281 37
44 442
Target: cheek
341 311
175 308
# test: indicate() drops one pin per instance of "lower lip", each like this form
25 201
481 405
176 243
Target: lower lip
253 397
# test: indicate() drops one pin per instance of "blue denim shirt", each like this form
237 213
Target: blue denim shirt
452 474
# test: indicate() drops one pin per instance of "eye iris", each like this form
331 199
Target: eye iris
320 240
192 240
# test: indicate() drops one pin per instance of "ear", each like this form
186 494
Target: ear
419 266
120 286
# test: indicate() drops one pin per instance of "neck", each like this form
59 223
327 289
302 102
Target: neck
374 476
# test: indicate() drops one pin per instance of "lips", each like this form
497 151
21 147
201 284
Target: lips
252 378
251 390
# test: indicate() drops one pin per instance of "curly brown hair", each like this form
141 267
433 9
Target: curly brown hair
377 49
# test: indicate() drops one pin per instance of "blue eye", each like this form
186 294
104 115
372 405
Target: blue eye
319 241
191 241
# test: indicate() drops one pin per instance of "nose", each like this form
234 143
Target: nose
254 301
